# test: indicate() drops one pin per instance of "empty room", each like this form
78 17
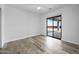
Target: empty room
39 29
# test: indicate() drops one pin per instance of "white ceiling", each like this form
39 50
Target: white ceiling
44 7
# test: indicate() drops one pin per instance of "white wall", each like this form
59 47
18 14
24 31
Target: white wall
1 24
0 29
70 21
20 24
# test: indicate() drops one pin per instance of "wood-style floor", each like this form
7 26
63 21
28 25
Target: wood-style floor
39 45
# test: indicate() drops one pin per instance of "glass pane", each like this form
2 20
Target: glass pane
49 32
57 29
55 25
49 27
49 22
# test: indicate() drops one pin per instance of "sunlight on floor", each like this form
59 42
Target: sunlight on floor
50 42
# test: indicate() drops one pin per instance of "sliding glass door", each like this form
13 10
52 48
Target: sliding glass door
54 27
